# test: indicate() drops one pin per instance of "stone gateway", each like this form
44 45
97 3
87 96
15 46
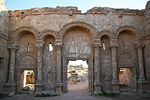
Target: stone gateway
37 44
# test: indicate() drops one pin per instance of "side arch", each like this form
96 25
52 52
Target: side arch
105 32
17 33
48 32
128 28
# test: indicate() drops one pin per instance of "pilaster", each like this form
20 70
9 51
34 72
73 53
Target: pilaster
142 80
97 82
39 46
58 46
115 80
10 86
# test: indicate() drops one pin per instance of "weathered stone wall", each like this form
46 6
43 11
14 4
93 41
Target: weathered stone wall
110 38
112 19
4 57
4 23
4 54
147 40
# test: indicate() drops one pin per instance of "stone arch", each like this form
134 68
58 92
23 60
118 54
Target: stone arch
104 32
17 32
77 40
80 24
128 28
107 39
45 33
74 35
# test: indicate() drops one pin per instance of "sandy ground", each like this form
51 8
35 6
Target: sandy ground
79 86
79 91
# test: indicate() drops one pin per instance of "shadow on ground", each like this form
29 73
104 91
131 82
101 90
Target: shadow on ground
82 96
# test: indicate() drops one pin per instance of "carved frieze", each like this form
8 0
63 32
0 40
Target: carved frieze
77 46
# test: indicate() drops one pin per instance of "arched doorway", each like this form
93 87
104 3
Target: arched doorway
25 59
77 45
127 60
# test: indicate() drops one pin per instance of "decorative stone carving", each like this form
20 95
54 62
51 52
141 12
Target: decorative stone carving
76 45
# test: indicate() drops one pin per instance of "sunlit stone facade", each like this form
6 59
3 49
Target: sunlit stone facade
114 42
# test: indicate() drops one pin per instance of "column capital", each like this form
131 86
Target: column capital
114 42
139 46
58 44
12 45
39 43
97 43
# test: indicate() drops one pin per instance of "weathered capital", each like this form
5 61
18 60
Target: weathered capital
97 43
114 43
139 45
12 45
58 43
39 43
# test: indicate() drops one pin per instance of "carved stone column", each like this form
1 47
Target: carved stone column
142 80
90 75
39 85
140 59
97 82
115 80
65 84
10 86
58 68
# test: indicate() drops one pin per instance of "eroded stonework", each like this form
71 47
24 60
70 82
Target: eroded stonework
114 42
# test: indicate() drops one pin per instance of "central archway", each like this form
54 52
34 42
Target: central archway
77 45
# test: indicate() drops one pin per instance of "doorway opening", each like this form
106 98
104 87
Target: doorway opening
28 80
77 76
127 79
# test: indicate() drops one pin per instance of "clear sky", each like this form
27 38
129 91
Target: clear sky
83 5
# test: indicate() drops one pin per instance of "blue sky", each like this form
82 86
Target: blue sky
83 5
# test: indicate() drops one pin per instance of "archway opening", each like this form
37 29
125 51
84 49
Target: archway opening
127 60
127 79
28 80
77 76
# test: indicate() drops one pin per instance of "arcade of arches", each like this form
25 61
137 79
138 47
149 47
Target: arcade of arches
35 55
42 64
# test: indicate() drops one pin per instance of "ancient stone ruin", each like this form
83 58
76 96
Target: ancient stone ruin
37 44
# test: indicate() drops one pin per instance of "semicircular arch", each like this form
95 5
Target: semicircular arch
105 33
45 33
17 32
82 25
128 28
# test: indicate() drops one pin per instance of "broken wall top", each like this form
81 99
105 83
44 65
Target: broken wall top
73 10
